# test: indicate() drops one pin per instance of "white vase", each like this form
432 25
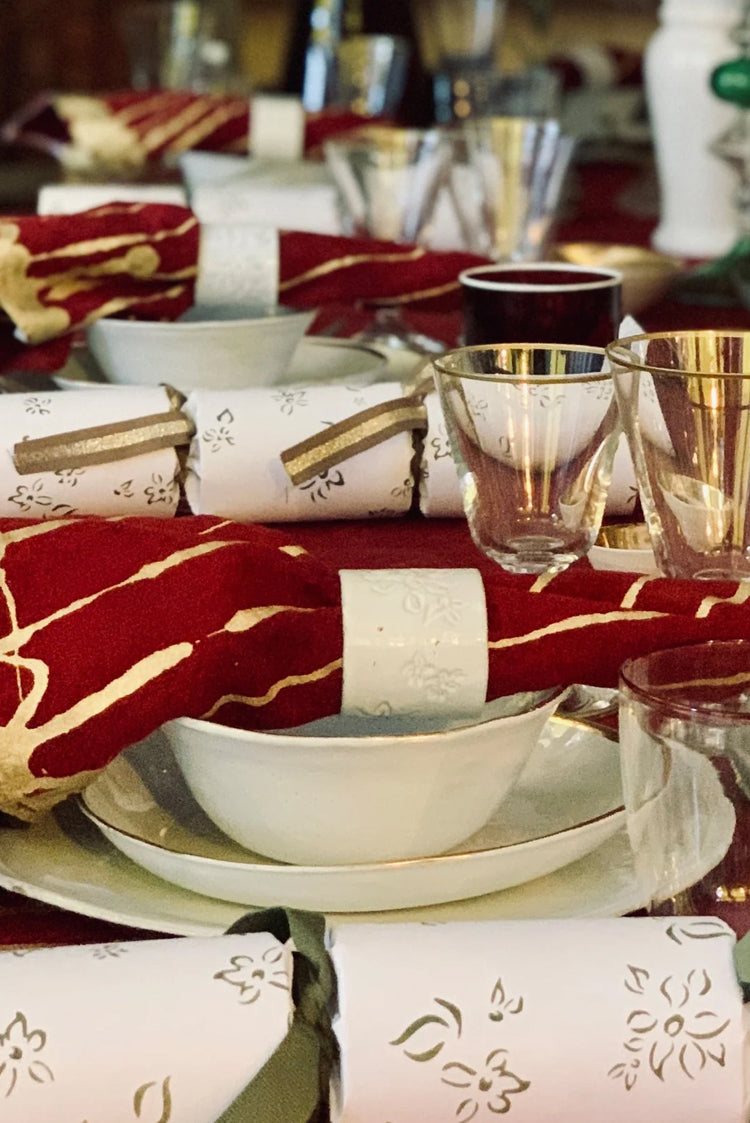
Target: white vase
697 214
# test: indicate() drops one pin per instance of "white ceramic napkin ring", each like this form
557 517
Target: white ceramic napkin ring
415 641
238 263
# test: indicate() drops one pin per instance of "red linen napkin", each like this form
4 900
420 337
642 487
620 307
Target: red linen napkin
61 272
112 626
128 130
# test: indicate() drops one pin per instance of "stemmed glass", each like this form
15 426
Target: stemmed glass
387 181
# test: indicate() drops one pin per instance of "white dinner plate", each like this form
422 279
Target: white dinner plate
315 360
567 802
64 860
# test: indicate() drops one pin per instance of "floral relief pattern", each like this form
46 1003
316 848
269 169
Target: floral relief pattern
434 682
486 1085
253 974
674 1032
19 1055
426 594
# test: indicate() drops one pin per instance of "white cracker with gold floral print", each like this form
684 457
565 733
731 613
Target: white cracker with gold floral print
149 1030
235 468
618 1019
140 485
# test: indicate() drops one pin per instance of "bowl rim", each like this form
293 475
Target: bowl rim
316 742
288 315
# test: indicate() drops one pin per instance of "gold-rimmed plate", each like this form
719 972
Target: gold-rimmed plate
566 804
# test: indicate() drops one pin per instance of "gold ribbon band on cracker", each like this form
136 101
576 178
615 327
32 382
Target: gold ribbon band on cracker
361 431
102 444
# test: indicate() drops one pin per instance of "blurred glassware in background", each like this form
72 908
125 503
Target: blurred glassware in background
325 33
387 179
485 92
506 182
364 50
216 63
468 31
370 74
160 38
184 45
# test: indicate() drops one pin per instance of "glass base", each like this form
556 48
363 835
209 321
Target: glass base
532 555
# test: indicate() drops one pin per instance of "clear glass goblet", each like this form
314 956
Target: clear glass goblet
387 181
533 430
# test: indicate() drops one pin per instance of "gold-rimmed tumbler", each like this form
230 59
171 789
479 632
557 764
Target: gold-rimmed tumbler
684 400
533 430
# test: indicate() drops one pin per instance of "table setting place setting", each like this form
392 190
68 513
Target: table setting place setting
374 632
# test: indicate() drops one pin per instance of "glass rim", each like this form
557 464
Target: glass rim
370 136
510 376
626 359
606 277
681 708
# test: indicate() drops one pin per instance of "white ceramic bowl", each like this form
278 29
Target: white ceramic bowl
221 347
344 798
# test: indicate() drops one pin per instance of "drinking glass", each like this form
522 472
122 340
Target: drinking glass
467 31
533 430
684 400
544 301
371 72
387 180
161 38
507 182
685 750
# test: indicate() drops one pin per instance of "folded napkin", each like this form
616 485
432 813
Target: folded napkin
60 272
107 632
125 131
560 1020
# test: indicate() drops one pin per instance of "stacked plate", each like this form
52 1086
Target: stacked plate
136 850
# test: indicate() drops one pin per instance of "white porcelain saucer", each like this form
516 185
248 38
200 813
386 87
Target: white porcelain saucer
316 359
142 806
65 861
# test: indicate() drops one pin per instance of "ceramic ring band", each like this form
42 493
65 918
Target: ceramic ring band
415 641
238 263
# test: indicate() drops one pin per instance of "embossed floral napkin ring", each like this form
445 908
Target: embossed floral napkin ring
415 641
